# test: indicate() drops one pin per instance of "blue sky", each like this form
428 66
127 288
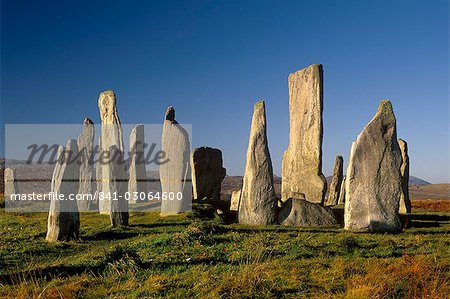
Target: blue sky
212 60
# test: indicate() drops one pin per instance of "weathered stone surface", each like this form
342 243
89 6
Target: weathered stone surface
336 182
63 216
299 212
373 181
111 134
302 161
258 200
86 147
138 175
342 192
10 183
117 185
405 203
207 172
175 175
235 199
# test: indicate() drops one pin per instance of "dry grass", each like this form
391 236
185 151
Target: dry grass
430 205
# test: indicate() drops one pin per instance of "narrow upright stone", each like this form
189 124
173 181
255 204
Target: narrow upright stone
86 151
207 173
117 185
175 174
336 182
373 182
111 135
10 183
63 216
302 161
405 203
137 184
235 199
342 192
258 200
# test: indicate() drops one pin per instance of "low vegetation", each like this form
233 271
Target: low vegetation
184 257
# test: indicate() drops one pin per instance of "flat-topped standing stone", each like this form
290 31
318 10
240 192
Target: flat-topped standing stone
137 185
118 184
207 173
235 199
175 174
111 135
373 182
10 183
258 200
302 161
336 182
86 149
342 192
63 216
405 203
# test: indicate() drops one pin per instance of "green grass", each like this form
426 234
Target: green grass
180 257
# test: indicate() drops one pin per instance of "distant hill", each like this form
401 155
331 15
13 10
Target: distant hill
418 182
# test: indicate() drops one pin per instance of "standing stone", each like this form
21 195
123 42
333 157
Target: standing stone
405 203
137 184
258 200
342 192
336 182
175 174
10 183
235 199
118 187
207 173
111 134
373 182
302 161
63 217
86 150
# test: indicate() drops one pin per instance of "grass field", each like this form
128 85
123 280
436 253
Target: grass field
180 257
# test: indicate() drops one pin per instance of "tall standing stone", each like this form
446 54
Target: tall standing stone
258 200
10 183
336 182
342 192
373 182
111 135
117 185
302 161
86 149
175 174
63 217
207 173
405 203
137 184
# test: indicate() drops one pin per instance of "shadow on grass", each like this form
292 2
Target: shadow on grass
110 235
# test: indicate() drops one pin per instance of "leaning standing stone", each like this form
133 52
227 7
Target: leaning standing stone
86 151
302 161
111 135
373 182
10 184
137 185
63 217
258 200
175 174
336 182
207 173
405 203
